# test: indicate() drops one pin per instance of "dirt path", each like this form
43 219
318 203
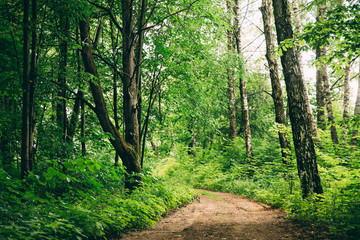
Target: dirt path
227 216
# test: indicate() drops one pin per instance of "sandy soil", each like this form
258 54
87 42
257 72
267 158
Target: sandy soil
227 217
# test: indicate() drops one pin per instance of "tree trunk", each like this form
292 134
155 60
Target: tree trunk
74 117
346 113
354 139
275 81
242 85
331 119
82 133
33 80
61 116
321 74
298 108
25 138
126 148
298 28
231 80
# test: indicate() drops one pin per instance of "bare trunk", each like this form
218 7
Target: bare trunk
82 133
331 119
115 84
346 113
63 45
242 84
354 139
74 117
231 80
298 28
126 148
275 81
33 78
321 74
25 143
298 108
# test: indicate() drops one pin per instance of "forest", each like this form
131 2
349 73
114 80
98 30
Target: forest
113 111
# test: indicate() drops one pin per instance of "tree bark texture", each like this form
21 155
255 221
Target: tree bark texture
25 137
321 74
275 80
298 108
130 86
354 139
61 115
298 27
33 80
126 148
231 80
242 82
346 113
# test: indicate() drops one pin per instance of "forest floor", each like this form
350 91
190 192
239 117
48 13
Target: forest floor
225 216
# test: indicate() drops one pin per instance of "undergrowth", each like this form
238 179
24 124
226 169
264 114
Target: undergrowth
81 199
268 180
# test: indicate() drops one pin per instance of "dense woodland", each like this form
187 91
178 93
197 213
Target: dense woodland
112 111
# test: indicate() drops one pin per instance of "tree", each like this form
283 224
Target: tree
298 109
354 139
346 112
25 142
128 148
231 41
234 40
298 27
323 93
280 117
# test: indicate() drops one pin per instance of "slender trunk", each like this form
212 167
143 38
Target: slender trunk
231 80
321 74
33 78
126 148
354 139
245 113
298 108
242 85
232 112
137 73
63 47
346 113
235 41
115 89
74 117
98 33
275 80
323 93
25 158
82 134
331 119
298 28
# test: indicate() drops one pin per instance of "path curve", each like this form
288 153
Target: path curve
227 217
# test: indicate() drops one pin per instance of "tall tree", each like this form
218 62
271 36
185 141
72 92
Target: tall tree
128 148
298 108
346 113
236 42
231 78
354 139
321 74
298 27
25 142
61 115
280 117
323 93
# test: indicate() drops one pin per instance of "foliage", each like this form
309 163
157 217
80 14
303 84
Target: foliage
83 202
340 26
268 180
